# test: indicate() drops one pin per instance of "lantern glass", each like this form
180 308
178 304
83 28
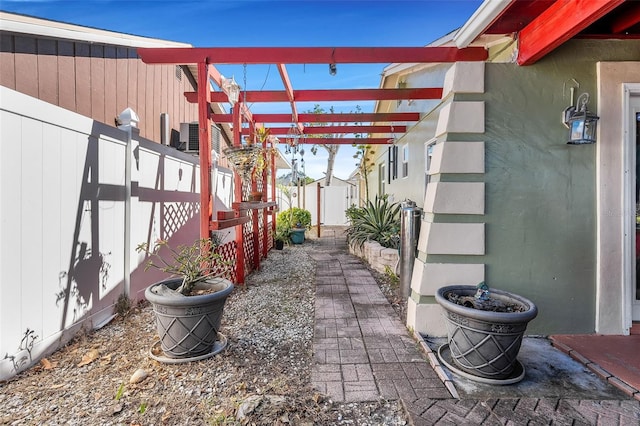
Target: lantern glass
233 90
582 128
582 124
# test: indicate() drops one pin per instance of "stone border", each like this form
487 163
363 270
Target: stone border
435 364
377 256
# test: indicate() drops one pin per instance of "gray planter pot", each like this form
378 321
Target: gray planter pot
485 343
188 325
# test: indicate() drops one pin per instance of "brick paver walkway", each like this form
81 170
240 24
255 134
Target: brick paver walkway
362 351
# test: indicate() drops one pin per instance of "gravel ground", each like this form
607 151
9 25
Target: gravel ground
263 377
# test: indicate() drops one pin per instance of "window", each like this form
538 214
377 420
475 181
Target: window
405 161
428 156
381 178
392 154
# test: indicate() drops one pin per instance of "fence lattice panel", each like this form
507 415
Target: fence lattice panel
176 215
227 252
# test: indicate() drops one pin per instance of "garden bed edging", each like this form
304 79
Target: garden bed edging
377 256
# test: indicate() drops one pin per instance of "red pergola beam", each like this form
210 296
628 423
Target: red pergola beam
328 95
327 118
321 130
346 141
290 96
557 24
630 18
308 55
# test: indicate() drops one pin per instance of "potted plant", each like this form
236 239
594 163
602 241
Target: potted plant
485 327
188 307
282 236
298 220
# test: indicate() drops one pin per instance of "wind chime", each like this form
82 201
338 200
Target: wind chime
294 142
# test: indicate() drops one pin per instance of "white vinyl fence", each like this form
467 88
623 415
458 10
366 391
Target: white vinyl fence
64 257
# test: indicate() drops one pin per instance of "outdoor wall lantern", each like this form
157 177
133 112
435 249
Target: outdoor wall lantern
582 124
232 89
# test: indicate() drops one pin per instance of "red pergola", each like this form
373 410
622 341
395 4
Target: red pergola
342 124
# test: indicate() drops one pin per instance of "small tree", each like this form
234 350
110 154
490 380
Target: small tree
364 154
332 149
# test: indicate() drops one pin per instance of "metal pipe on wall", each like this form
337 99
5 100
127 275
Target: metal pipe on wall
410 216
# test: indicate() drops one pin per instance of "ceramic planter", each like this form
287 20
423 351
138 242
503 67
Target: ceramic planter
485 344
188 325
297 235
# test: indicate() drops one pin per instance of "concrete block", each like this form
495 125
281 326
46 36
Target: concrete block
455 198
426 319
389 254
457 157
461 117
372 248
451 238
427 278
464 77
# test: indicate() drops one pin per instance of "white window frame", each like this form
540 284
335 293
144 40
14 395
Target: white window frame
405 161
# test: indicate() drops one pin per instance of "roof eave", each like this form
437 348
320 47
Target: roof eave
43 27
482 18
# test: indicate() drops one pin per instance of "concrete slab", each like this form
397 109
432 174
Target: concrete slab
549 373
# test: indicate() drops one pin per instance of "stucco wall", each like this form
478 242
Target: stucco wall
540 192
413 186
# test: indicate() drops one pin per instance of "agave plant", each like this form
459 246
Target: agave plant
376 221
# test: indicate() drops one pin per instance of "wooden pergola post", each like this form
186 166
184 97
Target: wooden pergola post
237 195
204 126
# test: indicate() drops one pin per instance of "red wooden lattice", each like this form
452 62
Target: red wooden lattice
228 253
249 248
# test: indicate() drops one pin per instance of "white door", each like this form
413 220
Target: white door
334 203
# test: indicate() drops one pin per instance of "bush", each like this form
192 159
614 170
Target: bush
294 217
376 221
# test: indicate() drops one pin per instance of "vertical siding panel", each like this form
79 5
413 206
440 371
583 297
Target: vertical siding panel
83 79
164 97
97 83
179 118
52 264
71 165
47 67
171 93
66 76
158 89
26 66
10 227
132 78
123 81
7 62
110 85
150 95
32 211
141 98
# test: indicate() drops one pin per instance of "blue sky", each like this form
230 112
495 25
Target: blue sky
264 23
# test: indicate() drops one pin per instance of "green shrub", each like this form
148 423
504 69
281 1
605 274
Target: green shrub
283 233
294 217
376 221
352 211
